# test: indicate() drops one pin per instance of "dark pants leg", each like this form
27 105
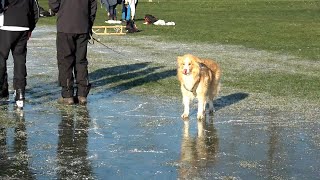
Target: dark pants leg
19 53
112 12
66 61
4 53
82 65
17 43
72 58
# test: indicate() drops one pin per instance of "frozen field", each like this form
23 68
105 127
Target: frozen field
123 135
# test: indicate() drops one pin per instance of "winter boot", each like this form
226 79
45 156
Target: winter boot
82 100
19 97
66 101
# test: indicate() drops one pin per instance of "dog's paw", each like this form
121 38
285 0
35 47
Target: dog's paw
185 116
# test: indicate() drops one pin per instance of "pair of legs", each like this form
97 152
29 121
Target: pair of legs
16 42
203 98
202 101
126 12
73 64
112 12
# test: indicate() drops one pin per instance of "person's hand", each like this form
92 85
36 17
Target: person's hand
90 33
90 38
29 34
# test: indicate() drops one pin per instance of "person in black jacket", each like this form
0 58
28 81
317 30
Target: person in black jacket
75 19
1 7
17 20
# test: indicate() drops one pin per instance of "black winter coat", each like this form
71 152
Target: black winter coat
74 16
20 13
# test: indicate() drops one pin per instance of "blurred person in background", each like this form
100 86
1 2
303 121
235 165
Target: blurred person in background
111 8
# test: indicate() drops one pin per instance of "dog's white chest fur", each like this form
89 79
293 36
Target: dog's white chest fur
188 82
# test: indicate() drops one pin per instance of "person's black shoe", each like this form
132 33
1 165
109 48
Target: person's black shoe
66 101
82 100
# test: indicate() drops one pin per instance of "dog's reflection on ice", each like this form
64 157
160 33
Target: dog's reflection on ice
198 152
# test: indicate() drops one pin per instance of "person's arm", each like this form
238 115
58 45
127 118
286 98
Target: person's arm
106 4
93 11
36 11
33 15
54 5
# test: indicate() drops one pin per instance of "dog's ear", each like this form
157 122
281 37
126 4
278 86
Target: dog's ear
179 59
197 59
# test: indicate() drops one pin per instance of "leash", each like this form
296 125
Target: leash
196 84
98 41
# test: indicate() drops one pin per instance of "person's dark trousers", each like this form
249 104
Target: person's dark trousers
73 63
16 41
112 12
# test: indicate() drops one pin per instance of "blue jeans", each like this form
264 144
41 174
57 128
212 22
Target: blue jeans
126 12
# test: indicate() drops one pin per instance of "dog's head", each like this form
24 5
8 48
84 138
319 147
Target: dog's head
187 63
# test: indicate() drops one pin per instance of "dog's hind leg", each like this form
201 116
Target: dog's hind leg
201 108
216 89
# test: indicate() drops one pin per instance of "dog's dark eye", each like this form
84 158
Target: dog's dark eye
182 63
189 64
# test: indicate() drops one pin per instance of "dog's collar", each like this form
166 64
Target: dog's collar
193 89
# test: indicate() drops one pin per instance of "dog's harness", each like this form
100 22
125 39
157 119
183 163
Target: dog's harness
194 88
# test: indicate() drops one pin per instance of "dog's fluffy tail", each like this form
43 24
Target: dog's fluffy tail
214 67
217 84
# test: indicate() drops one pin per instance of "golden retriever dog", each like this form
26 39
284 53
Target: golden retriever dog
199 78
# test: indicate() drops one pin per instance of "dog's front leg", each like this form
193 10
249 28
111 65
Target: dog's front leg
186 103
201 108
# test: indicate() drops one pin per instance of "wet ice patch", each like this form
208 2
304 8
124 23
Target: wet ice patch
145 151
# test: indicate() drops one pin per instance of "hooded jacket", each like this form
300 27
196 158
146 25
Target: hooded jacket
19 15
74 16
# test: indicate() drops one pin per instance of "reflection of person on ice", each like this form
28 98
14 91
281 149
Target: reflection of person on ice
18 19
74 23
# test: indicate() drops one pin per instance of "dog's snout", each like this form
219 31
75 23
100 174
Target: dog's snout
185 71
